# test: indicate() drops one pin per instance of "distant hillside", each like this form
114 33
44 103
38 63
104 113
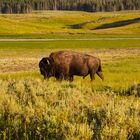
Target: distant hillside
25 6
63 23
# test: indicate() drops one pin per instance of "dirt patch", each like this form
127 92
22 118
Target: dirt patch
116 54
15 65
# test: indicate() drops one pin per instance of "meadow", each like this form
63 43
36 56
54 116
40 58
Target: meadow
32 108
70 24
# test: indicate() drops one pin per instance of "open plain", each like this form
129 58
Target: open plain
34 108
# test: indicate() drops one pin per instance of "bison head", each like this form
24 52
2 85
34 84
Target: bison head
45 67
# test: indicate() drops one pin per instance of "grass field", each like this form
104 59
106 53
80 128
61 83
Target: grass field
32 108
69 24
118 57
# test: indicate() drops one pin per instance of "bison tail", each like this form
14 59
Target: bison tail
99 68
99 72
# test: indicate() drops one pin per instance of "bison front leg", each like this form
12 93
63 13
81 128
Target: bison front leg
61 77
66 77
46 77
71 78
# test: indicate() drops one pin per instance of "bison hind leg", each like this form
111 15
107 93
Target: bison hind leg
68 78
92 77
84 77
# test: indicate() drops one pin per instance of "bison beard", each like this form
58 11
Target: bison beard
66 64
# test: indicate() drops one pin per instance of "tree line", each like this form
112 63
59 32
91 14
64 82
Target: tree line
26 6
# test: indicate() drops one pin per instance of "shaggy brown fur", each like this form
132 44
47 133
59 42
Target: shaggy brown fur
66 64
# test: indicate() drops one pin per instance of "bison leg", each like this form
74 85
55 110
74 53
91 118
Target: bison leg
100 74
45 77
71 78
65 78
92 76
60 77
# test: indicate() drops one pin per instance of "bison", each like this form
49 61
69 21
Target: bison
66 64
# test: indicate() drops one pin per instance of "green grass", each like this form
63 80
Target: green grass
119 75
69 24
71 44
67 35
120 59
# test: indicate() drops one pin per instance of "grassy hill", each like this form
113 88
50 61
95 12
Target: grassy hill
54 24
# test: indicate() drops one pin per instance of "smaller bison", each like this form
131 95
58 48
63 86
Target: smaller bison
66 64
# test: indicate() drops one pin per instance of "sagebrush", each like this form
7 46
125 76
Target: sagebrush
37 109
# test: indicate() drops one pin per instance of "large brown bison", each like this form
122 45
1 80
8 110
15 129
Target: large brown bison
66 64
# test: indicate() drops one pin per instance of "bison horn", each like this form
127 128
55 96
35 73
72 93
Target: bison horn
48 62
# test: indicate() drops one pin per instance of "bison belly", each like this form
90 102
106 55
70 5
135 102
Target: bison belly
79 70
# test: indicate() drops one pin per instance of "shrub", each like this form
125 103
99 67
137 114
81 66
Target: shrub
35 109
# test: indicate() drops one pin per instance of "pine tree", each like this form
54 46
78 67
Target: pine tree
25 6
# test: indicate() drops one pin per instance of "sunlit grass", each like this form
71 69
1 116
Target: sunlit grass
60 24
33 108
119 75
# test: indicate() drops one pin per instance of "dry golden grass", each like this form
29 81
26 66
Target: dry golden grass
32 109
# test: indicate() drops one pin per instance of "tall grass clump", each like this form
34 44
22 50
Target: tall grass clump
37 109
